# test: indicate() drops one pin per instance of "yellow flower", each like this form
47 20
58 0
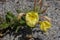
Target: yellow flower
32 18
45 25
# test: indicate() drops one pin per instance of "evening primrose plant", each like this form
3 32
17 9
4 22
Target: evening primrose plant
29 19
32 18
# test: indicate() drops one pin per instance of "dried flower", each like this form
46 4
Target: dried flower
20 15
47 18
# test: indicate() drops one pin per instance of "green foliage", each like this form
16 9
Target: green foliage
9 16
1 19
4 25
22 21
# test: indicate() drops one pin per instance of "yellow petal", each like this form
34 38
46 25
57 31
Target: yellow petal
48 24
44 27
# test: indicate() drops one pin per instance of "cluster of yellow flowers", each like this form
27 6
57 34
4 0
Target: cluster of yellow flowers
32 18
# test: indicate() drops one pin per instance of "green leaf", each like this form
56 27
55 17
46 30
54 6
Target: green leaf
22 21
10 17
10 14
1 19
4 25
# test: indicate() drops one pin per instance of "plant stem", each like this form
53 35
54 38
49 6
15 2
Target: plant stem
34 5
40 3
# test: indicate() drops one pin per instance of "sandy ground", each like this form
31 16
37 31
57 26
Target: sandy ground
53 12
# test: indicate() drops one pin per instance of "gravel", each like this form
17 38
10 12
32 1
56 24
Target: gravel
53 12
